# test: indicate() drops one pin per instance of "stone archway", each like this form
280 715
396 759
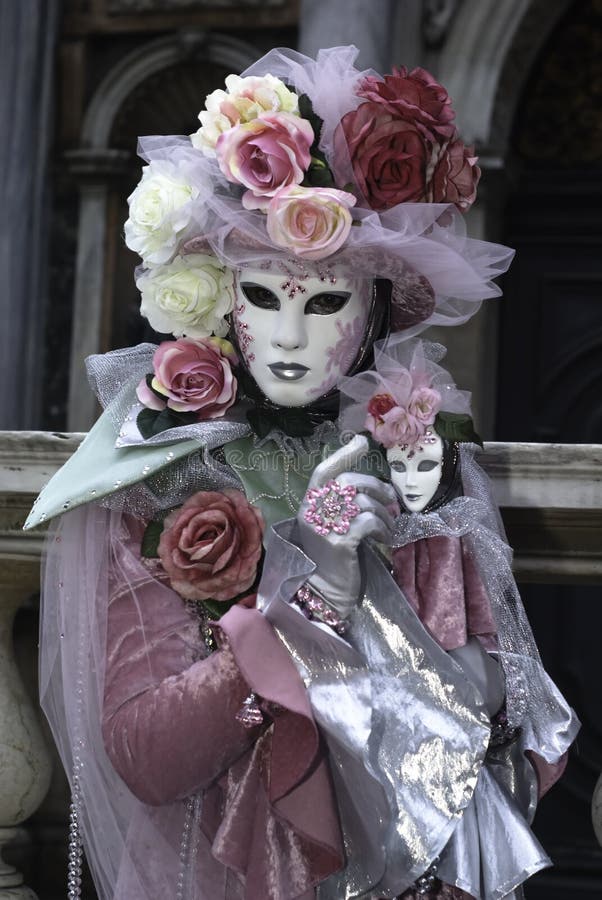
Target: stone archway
488 51
488 54
98 161
550 384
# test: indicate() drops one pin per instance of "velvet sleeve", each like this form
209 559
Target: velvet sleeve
169 718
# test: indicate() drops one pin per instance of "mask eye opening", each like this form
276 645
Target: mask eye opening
398 466
260 296
427 465
326 303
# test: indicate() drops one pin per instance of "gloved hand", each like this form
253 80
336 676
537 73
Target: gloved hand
337 577
483 671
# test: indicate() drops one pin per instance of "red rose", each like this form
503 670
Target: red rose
456 176
380 404
389 156
403 146
211 546
415 97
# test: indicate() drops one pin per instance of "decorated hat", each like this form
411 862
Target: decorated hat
310 164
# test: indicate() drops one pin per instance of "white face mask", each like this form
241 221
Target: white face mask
416 471
299 334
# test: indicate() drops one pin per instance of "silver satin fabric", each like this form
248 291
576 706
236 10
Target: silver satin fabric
407 736
493 851
406 732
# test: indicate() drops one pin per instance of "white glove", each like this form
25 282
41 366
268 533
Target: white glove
337 577
483 671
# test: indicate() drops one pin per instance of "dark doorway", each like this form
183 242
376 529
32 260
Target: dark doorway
550 388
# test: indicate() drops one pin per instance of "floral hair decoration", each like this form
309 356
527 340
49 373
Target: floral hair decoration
310 163
405 396
192 381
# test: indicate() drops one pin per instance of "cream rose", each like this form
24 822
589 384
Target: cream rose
244 100
188 297
160 211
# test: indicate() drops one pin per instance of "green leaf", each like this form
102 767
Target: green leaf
215 609
152 421
150 540
146 421
306 111
320 176
457 427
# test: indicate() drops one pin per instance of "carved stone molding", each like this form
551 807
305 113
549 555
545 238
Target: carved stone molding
550 494
145 61
437 16
475 54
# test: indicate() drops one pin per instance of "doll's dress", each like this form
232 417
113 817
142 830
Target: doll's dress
444 581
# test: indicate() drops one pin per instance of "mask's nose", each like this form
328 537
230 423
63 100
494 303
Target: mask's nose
289 332
411 479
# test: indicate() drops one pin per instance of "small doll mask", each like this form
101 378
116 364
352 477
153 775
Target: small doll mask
416 471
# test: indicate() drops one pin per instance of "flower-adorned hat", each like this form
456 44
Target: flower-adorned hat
305 164
406 396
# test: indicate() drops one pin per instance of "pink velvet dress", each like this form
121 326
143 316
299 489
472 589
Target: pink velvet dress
170 730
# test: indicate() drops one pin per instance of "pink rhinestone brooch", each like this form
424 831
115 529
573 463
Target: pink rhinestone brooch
331 508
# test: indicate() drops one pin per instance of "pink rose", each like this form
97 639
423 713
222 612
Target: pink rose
415 97
265 155
456 176
389 156
399 427
424 404
211 546
312 222
193 376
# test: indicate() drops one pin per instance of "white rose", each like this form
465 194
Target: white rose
160 211
212 125
188 297
245 99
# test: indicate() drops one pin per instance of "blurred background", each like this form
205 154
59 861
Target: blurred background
81 79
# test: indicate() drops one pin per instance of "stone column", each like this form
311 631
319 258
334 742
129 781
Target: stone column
28 31
94 169
25 767
367 25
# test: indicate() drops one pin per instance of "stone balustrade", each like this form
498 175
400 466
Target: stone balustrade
551 499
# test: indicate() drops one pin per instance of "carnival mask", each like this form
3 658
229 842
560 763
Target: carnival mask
416 470
298 334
